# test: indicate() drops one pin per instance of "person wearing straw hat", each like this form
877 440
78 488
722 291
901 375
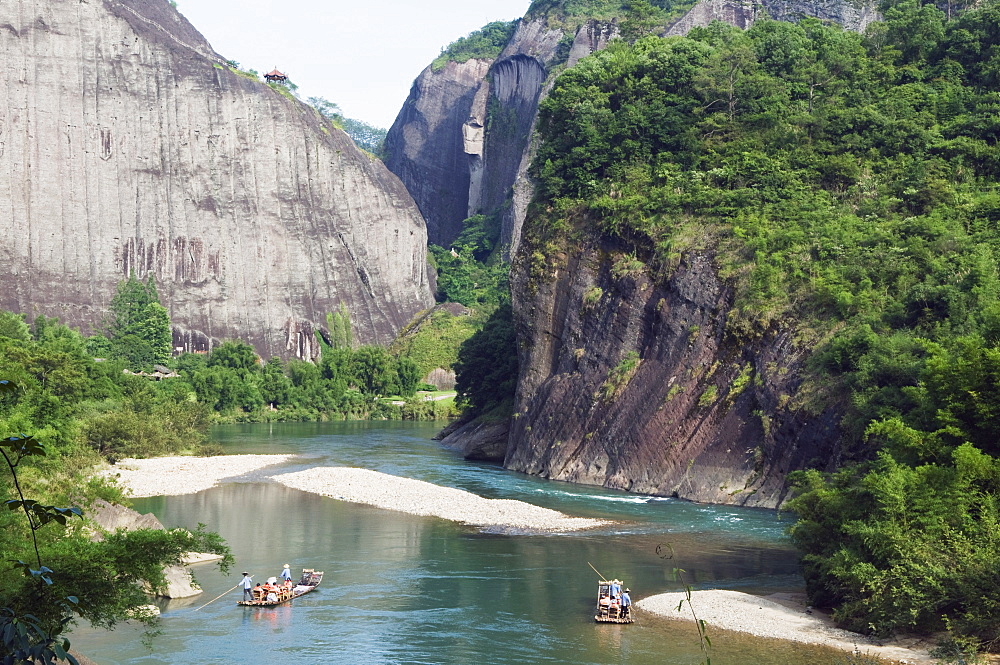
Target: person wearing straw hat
616 588
626 604
286 574
247 584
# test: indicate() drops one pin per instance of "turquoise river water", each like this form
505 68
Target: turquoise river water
400 589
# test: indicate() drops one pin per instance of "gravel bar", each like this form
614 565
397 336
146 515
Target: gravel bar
417 497
780 616
161 476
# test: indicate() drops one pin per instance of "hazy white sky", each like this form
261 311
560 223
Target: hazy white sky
363 54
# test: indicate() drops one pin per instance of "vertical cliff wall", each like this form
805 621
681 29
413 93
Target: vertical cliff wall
461 142
742 13
126 143
436 143
634 382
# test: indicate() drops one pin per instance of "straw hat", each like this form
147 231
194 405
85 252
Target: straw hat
286 565
272 580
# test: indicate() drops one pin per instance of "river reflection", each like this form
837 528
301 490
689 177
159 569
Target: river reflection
406 589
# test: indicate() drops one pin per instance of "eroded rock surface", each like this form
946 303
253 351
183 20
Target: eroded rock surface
437 141
638 385
742 13
128 144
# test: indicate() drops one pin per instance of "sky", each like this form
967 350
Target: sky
362 55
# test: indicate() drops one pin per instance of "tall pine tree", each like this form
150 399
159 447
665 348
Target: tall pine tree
138 325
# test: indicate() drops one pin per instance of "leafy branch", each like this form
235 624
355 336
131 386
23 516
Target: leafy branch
704 640
23 638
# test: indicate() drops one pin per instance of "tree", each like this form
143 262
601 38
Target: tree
640 20
138 325
339 325
69 575
373 368
409 376
365 136
13 326
486 370
234 354
329 110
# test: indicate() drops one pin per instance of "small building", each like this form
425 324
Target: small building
275 75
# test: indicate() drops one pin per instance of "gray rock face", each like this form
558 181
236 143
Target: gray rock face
435 142
637 385
742 13
485 442
461 139
127 144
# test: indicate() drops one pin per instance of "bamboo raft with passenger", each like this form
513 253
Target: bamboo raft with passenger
613 605
279 594
610 608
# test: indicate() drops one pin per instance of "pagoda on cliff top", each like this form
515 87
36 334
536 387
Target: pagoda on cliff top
275 75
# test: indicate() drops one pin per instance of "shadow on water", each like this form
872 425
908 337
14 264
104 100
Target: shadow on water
406 589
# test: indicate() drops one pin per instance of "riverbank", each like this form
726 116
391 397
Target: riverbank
417 497
169 476
187 475
779 616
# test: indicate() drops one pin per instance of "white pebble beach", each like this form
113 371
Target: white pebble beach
167 476
781 616
421 498
186 475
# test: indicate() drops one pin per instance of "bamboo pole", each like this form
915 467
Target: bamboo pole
603 578
217 597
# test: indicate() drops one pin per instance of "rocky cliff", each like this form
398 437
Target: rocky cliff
852 15
635 382
128 144
436 142
462 141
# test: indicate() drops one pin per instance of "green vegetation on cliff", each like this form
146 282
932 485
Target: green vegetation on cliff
846 186
485 43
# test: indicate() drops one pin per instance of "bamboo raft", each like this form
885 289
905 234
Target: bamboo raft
310 580
609 610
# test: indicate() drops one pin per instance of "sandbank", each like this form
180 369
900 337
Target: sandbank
161 476
779 616
417 497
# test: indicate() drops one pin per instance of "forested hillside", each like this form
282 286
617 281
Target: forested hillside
844 187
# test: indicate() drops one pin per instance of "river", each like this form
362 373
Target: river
400 589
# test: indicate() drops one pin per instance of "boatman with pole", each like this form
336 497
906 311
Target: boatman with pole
247 584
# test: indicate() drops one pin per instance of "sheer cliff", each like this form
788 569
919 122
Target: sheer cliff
462 140
128 144
632 382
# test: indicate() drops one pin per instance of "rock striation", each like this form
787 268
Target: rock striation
128 144
486 109
637 383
